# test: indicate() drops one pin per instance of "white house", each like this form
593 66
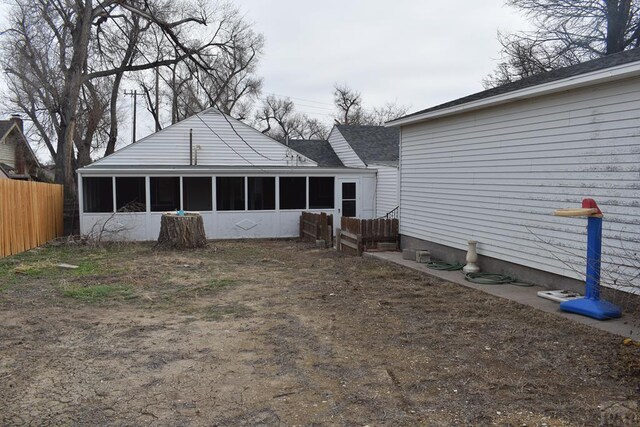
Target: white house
244 183
17 159
493 167
371 147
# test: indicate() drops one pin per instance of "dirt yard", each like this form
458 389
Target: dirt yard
271 333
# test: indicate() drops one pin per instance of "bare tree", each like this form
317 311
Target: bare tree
62 57
566 32
279 120
314 129
231 85
350 110
349 105
385 113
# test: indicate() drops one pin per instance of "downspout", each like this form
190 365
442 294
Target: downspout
190 147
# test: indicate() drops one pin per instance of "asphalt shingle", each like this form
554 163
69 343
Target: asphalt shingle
318 150
373 144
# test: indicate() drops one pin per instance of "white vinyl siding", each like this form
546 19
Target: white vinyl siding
387 197
496 175
223 141
242 223
345 153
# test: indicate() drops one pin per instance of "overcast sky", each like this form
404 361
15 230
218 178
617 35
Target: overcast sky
417 53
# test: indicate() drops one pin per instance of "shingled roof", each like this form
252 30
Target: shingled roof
538 79
373 144
318 150
5 125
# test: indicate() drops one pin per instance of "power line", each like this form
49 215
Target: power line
301 99
197 114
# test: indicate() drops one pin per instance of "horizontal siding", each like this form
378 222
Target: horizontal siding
343 150
7 153
222 142
496 176
387 197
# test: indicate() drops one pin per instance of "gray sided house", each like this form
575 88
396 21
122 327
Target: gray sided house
493 167
245 184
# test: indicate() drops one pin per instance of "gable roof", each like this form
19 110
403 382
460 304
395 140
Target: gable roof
6 127
566 73
373 144
223 141
318 150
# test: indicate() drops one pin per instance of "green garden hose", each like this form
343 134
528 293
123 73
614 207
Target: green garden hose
493 279
488 278
437 265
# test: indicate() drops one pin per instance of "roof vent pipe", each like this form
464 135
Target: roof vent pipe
190 147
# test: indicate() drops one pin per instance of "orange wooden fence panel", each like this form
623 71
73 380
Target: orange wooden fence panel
31 214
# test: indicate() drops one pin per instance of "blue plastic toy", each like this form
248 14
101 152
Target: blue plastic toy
591 305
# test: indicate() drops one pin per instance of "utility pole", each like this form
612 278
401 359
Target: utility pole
157 99
134 94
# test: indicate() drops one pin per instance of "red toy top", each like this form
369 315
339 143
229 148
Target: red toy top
591 204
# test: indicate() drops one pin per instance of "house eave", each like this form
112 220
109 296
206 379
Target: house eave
596 77
220 170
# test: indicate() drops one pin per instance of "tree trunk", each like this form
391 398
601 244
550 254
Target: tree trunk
181 232
617 21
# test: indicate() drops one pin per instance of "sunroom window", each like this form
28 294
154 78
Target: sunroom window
230 193
130 194
97 194
262 193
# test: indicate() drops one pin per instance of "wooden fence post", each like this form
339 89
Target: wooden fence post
359 244
338 240
323 229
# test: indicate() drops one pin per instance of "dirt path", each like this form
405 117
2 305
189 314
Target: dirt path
279 333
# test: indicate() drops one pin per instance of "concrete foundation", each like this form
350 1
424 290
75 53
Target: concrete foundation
493 265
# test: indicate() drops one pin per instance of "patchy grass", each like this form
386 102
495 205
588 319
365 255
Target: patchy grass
226 311
219 284
98 293
281 332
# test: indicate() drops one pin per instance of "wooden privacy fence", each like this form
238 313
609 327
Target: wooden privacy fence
30 214
317 227
358 235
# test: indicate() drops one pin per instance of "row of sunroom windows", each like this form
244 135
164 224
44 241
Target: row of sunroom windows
233 193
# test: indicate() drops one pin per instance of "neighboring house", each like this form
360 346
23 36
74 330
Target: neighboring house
17 160
244 183
372 147
494 166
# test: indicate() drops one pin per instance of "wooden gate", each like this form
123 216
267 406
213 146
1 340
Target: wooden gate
358 235
317 227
